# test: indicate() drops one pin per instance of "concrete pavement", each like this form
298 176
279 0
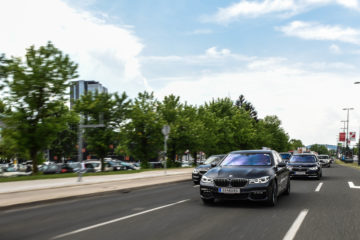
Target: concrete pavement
26 192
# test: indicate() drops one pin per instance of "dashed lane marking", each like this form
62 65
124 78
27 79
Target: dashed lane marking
117 219
319 187
290 235
351 185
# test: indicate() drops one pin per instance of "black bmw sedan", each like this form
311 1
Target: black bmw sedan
305 165
210 162
257 175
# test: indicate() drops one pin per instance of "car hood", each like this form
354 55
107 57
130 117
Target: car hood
204 167
240 172
302 164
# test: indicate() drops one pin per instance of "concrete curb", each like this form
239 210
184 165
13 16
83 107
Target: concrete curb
124 190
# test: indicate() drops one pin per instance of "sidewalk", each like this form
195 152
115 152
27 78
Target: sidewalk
26 192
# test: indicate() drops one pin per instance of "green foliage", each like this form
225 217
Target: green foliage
36 92
295 144
320 149
102 108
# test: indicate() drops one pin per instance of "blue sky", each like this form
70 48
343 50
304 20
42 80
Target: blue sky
297 59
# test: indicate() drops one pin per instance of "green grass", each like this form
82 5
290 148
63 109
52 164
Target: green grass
68 175
353 164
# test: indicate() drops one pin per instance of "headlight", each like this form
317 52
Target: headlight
290 168
195 170
205 179
313 168
259 180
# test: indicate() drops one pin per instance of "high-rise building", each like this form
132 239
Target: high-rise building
82 87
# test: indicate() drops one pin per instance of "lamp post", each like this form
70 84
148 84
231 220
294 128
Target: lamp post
347 130
359 138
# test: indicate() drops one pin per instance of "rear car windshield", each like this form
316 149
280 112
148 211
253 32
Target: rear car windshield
302 159
285 155
213 159
247 159
323 157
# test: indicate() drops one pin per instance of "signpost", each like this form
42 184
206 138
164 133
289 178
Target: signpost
165 131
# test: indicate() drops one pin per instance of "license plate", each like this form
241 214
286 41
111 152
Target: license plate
300 173
229 190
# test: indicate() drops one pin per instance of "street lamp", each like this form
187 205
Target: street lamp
359 138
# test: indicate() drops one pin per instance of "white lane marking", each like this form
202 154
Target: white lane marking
319 187
196 186
351 185
117 219
296 225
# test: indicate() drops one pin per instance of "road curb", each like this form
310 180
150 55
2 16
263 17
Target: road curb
124 190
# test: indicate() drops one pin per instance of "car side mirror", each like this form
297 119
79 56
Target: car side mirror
213 165
281 164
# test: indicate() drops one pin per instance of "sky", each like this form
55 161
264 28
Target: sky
297 59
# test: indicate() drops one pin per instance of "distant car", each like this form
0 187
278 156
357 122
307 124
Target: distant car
285 156
156 165
209 163
256 175
186 164
324 160
12 172
305 165
51 169
114 166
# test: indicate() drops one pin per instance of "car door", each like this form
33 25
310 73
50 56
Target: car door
281 172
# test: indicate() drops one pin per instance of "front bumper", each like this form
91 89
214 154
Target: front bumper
306 173
253 192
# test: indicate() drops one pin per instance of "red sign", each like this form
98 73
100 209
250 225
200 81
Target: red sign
55 158
352 136
342 137
127 158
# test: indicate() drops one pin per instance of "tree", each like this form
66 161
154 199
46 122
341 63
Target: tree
36 89
295 144
320 149
247 106
107 109
143 138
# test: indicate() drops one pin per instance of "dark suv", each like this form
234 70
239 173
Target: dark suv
305 165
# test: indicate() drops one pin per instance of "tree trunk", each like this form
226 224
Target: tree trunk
33 156
102 164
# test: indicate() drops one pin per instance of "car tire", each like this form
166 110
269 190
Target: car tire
319 176
273 195
287 190
208 201
196 182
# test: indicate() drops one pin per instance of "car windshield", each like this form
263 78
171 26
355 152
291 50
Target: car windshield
323 157
285 155
212 159
247 159
302 159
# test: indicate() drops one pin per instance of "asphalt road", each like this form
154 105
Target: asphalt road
325 209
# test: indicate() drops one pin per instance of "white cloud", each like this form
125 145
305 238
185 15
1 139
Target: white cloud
316 31
200 32
253 9
105 52
213 52
335 49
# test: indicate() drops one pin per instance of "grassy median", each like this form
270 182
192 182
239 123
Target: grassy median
68 175
353 164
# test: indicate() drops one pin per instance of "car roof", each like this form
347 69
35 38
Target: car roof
253 151
304 154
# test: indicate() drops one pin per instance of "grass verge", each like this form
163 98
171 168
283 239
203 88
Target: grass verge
353 164
68 175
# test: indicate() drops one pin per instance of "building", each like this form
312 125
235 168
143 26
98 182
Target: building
82 87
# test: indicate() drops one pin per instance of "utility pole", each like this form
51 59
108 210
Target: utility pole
347 130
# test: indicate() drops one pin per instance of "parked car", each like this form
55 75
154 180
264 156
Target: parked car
51 169
256 175
156 165
209 163
93 166
114 166
70 167
305 165
324 160
12 172
285 156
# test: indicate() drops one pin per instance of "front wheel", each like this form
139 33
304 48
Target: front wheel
273 195
287 191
